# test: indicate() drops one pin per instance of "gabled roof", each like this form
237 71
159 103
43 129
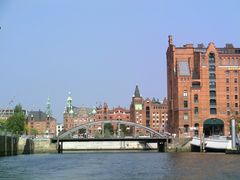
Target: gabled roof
37 115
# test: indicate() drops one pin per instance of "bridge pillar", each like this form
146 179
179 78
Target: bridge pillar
119 130
103 129
87 132
161 146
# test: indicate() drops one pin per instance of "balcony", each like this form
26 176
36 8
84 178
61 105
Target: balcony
196 85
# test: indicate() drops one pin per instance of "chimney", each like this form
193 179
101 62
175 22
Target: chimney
170 40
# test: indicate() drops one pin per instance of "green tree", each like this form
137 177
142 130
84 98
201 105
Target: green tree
34 131
2 123
16 123
108 130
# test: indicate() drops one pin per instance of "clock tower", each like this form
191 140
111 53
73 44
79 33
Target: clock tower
136 107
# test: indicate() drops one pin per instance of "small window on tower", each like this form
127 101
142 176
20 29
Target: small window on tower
185 93
227 73
227 89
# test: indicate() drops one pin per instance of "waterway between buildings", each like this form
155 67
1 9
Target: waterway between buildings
120 165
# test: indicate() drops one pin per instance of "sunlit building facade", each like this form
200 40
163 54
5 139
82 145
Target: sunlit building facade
203 88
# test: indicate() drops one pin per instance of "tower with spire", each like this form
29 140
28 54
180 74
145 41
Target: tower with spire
69 104
48 108
136 104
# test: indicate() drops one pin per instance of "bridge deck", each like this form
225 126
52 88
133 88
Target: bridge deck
153 140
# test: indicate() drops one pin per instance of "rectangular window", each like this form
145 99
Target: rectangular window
196 110
228 113
235 80
236 96
227 97
213 111
235 72
185 116
195 98
227 80
228 105
236 104
227 89
185 104
185 93
236 89
227 73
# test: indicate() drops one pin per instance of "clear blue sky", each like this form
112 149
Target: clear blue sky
99 50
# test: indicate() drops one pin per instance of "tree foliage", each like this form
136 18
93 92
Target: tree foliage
108 127
108 130
16 123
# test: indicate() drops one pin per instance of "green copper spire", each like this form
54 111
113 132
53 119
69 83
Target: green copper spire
69 104
48 111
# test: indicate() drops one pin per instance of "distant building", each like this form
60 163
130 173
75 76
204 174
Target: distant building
203 88
151 113
6 113
75 116
104 113
41 124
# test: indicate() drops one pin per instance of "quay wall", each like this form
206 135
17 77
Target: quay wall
25 145
14 145
44 145
8 145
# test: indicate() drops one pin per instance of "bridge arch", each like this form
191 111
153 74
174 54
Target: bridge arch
87 125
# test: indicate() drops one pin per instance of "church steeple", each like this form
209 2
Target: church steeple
137 93
48 109
69 104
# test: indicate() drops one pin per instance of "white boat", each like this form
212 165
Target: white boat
213 143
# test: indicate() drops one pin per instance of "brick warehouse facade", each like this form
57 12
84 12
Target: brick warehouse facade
75 116
150 113
203 88
43 124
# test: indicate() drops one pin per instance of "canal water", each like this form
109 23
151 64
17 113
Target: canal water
120 165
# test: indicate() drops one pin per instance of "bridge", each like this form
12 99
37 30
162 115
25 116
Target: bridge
155 137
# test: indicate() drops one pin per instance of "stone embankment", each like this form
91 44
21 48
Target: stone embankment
10 145
180 145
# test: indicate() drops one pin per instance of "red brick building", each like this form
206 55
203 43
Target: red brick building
75 116
203 88
41 124
150 113
119 113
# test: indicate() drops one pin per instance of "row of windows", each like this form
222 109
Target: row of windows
235 89
228 105
227 73
235 96
235 80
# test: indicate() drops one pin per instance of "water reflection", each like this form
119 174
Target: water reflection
121 166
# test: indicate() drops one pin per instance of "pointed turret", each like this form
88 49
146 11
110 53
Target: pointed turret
137 93
69 104
48 109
